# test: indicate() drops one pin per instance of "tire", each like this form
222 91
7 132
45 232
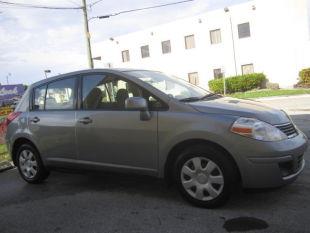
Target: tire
30 165
210 183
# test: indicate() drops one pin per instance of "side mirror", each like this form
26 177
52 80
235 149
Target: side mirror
138 104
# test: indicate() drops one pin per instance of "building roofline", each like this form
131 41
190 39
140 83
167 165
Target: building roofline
154 27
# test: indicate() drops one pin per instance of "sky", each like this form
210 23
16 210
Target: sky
34 40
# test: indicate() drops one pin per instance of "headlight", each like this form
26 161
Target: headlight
259 130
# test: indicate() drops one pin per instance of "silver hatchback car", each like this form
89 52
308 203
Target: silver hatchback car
149 123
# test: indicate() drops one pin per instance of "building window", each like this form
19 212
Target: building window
193 78
125 56
244 30
247 69
215 36
145 51
166 46
217 73
189 42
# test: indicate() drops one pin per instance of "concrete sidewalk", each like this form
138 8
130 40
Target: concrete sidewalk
298 104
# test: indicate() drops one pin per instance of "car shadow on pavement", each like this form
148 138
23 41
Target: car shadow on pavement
137 187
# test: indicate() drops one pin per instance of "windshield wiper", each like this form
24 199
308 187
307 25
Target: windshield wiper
190 99
207 96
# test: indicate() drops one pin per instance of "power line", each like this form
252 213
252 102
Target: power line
73 2
24 5
141 9
95 2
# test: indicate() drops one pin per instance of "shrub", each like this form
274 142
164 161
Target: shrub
238 83
304 76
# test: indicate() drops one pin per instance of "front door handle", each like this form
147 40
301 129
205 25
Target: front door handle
35 120
85 120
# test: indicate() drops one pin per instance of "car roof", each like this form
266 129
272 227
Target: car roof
86 71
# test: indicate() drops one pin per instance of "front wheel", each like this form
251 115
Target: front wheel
30 165
205 176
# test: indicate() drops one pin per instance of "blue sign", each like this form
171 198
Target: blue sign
11 93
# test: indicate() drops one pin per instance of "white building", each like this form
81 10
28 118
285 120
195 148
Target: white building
269 36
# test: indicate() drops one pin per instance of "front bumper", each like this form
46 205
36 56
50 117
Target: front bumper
278 164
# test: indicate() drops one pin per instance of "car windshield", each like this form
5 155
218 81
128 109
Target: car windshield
172 86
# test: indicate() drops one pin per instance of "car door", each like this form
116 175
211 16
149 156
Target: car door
108 135
52 119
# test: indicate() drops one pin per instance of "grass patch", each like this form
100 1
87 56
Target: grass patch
267 93
4 155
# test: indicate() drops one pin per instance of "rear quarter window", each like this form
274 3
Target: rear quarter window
23 105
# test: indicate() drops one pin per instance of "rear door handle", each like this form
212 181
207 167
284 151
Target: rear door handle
85 120
35 120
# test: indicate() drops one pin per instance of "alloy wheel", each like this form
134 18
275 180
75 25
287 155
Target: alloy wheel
28 164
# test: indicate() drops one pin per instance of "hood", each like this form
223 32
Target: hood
242 108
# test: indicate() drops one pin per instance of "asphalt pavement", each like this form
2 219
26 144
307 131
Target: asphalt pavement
70 202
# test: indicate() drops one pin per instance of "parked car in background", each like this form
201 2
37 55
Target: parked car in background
149 123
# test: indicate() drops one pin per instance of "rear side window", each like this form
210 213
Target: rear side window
39 96
60 95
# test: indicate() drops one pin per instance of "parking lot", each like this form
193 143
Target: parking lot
70 202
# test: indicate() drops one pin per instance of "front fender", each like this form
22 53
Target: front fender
175 128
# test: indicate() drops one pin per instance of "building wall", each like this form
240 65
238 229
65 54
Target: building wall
278 45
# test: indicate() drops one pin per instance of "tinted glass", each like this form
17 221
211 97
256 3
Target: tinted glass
60 95
39 98
174 87
166 46
110 93
244 30
125 56
145 52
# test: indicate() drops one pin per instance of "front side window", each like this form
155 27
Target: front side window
145 51
247 69
39 98
171 86
189 42
109 92
125 56
244 30
215 36
166 46
60 95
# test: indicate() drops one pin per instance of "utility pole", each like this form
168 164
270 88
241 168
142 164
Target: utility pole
87 34
226 9
7 78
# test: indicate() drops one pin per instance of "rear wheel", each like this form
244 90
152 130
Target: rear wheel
205 176
30 165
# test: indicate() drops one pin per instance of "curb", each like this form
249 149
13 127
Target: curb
4 166
282 97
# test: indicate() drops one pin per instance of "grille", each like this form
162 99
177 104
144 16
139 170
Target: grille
288 129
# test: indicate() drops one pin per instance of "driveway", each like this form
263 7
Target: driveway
70 202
